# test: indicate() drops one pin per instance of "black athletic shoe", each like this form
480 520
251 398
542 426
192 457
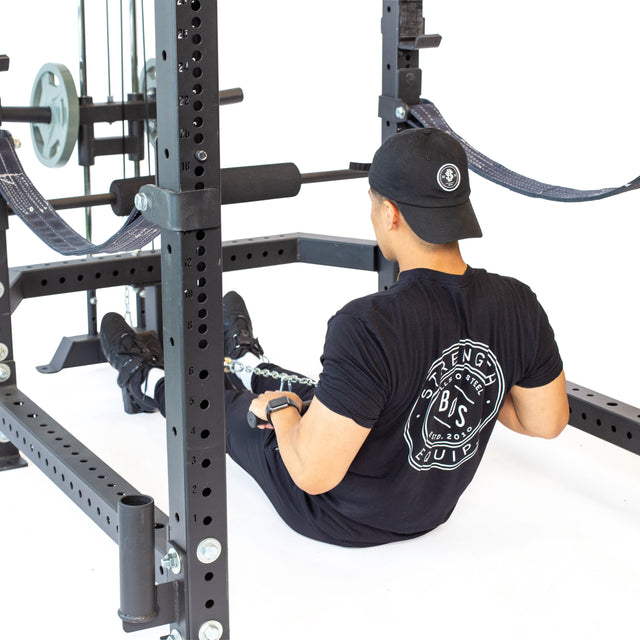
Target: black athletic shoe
238 334
132 355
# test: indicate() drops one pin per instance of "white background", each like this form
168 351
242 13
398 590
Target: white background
543 543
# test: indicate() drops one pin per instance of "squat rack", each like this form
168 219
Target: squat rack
186 550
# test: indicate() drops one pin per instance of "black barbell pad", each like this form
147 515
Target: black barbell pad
238 184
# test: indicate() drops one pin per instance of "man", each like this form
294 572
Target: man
414 377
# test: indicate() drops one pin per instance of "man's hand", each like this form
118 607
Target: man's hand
259 405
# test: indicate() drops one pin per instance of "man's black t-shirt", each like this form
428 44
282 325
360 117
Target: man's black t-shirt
425 365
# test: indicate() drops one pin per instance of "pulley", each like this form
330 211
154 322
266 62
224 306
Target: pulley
54 141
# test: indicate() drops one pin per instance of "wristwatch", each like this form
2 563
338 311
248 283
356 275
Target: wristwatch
279 403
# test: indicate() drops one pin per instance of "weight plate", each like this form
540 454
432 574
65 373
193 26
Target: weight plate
54 88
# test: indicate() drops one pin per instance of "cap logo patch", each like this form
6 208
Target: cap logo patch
449 177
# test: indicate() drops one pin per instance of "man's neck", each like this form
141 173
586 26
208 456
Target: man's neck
447 261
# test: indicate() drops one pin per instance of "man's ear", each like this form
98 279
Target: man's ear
391 215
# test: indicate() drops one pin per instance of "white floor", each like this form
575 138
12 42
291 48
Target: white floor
542 545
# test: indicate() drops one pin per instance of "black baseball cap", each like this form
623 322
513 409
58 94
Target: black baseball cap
424 172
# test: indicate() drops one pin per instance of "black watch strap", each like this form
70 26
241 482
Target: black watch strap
279 403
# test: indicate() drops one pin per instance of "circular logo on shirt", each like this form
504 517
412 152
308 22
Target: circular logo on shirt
449 177
461 395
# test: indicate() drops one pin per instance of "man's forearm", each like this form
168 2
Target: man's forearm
509 418
287 427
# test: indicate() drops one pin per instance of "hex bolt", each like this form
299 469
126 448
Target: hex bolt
172 561
209 550
201 155
401 113
3 438
4 351
141 202
5 372
174 635
210 630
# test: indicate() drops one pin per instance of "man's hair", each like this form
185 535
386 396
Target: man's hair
379 198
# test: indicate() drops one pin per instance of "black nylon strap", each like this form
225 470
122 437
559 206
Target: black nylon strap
29 205
427 115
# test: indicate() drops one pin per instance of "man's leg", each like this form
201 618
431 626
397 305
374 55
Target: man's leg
133 355
255 450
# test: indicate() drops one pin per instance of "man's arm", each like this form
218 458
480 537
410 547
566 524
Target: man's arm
541 412
319 447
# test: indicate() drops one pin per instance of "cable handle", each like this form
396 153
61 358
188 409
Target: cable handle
253 421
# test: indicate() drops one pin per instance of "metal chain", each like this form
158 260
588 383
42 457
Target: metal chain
234 366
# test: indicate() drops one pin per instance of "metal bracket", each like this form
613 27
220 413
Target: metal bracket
393 109
180 211
168 608
10 457
420 42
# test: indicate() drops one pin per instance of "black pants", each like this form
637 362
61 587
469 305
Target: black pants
256 451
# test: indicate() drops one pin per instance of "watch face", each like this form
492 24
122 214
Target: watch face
278 403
